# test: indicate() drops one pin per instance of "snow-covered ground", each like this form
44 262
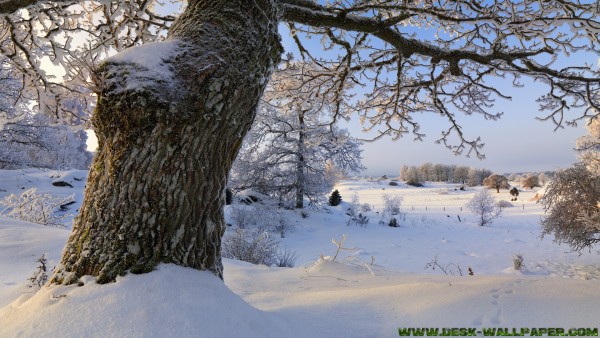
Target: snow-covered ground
371 291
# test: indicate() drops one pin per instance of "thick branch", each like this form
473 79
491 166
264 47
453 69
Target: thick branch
294 12
11 6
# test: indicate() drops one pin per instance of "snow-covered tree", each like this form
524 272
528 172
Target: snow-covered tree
497 182
530 182
572 204
171 115
484 206
33 141
572 198
30 139
292 150
461 174
414 177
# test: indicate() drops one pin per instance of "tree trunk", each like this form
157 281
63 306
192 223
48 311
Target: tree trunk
156 189
300 164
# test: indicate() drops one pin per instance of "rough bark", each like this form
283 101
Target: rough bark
155 192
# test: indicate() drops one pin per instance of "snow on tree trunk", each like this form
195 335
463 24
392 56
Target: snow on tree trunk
170 120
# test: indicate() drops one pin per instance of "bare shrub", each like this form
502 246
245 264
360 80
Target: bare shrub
35 208
365 207
286 258
340 246
391 207
484 205
278 222
242 216
518 261
448 269
250 245
354 206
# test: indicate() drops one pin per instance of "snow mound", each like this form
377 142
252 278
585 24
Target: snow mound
350 267
170 302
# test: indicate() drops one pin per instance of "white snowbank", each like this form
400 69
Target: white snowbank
170 302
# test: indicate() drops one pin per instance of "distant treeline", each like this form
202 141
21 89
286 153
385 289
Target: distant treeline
417 175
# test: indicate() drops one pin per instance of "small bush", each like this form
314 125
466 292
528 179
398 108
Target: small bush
362 220
286 258
514 192
353 207
243 216
391 205
518 261
250 245
335 198
393 183
40 276
448 269
279 223
393 223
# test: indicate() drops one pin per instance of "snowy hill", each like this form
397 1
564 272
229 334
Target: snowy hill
371 291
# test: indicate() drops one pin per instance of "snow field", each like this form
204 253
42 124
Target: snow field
370 291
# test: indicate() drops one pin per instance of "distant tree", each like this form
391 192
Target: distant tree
439 173
484 206
335 198
530 182
514 177
414 177
426 171
476 176
572 204
514 192
496 182
461 174
542 179
404 172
